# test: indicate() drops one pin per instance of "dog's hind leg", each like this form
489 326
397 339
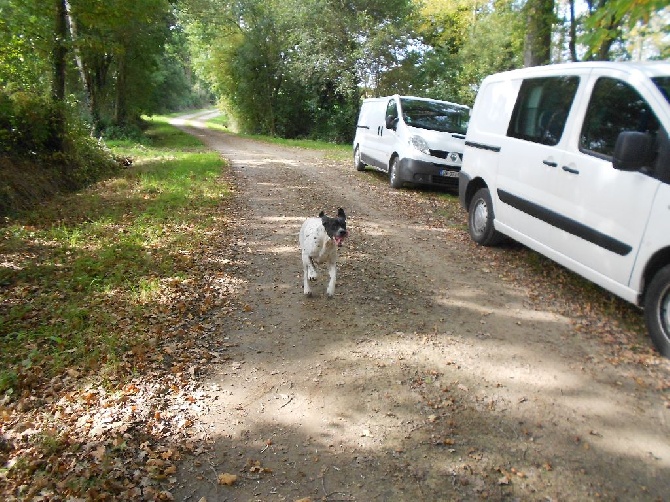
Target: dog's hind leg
333 275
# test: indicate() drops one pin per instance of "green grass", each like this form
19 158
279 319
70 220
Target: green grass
79 274
220 122
335 151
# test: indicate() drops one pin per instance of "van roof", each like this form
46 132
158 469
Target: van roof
647 68
384 98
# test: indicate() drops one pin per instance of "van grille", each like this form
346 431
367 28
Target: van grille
441 154
443 180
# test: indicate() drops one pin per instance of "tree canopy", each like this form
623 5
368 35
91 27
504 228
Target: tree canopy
291 68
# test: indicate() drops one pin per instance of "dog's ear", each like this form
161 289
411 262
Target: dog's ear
322 214
340 213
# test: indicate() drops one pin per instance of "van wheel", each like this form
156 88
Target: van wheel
657 310
358 164
480 219
394 179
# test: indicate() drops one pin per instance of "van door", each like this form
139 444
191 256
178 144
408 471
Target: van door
606 209
378 141
367 130
388 138
530 156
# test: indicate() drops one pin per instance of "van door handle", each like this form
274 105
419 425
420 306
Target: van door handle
549 163
570 170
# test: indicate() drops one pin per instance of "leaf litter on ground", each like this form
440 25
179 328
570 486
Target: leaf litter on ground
104 331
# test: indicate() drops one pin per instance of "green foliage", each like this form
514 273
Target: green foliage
26 123
120 44
31 166
26 29
290 68
610 19
123 241
491 41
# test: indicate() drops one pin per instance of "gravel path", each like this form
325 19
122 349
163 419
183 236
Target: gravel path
435 373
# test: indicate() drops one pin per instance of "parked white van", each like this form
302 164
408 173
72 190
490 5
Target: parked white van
573 161
414 140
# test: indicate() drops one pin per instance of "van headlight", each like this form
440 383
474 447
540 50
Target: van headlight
420 144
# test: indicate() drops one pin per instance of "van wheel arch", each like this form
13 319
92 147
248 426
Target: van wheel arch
394 165
481 218
472 188
657 310
358 163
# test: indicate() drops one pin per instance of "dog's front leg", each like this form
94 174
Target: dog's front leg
306 268
333 275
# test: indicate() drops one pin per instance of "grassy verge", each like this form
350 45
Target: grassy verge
78 274
333 151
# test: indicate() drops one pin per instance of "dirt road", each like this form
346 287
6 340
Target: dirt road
433 373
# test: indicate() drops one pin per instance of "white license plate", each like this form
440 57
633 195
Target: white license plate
449 174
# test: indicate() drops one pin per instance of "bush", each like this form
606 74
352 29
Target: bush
38 158
27 122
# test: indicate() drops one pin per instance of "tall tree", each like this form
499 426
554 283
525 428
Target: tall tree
119 43
59 72
293 67
540 20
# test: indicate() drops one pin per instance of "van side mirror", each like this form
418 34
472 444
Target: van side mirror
391 122
633 150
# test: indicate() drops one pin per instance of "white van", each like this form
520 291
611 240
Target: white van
414 140
573 161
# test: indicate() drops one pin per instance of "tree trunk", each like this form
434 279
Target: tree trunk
602 54
537 45
572 42
120 111
58 86
72 26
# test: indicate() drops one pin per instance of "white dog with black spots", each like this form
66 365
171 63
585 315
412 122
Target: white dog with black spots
320 239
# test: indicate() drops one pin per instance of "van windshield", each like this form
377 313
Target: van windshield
435 116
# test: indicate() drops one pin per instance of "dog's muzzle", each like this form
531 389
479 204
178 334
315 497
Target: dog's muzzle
339 238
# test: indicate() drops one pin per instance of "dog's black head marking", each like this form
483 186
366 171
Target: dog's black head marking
336 228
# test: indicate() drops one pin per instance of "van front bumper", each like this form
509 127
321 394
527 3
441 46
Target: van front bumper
428 173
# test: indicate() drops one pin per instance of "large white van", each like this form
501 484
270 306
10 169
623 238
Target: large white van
573 161
414 140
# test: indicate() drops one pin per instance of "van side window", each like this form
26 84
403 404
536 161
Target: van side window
541 109
615 107
392 109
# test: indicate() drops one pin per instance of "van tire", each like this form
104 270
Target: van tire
480 219
394 179
358 164
657 310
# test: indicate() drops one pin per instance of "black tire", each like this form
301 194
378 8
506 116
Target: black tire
394 179
657 310
358 164
480 219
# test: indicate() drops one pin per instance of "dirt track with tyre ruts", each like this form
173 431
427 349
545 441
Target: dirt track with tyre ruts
439 371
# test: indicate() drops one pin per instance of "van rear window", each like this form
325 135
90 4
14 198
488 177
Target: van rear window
541 109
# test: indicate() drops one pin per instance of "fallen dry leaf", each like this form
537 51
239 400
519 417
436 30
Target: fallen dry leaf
227 479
